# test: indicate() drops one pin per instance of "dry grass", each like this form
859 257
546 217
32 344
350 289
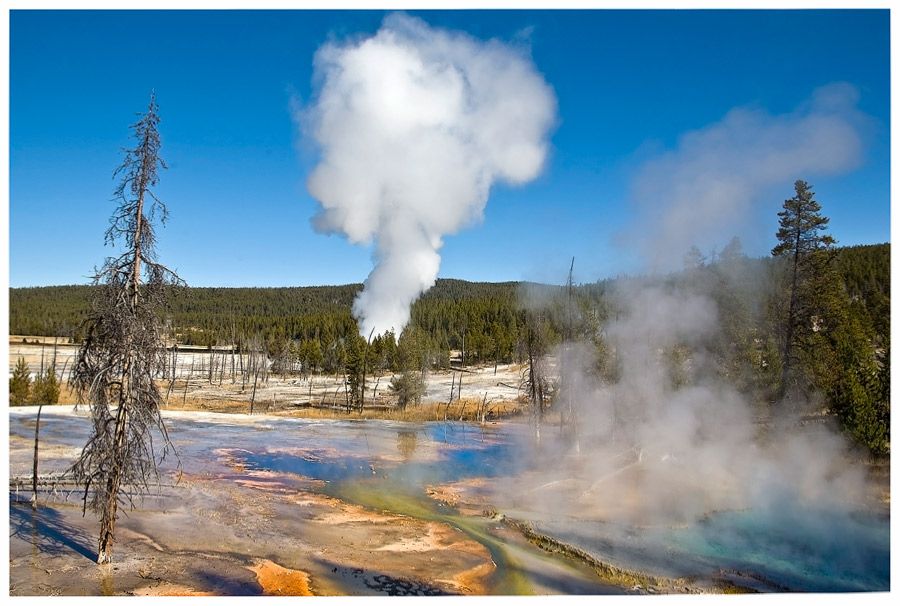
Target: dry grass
67 395
211 405
464 410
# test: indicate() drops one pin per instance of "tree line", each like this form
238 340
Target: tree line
485 319
306 330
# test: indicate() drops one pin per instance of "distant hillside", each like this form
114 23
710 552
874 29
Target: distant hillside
867 274
208 315
481 310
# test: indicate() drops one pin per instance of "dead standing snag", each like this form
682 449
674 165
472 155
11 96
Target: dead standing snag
124 350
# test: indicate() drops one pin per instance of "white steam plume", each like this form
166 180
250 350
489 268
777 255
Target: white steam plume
414 125
701 192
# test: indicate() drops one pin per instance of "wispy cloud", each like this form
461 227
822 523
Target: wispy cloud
702 191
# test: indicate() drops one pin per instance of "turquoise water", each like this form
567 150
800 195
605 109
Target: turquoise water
808 549
792 548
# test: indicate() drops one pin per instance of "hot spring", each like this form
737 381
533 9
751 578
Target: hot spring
494 472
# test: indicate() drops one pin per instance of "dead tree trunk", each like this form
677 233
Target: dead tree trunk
347 395
63 373
450 401
463 364
174 373
535 384
34 471
375 390
110 512
243 374
253 395
187 381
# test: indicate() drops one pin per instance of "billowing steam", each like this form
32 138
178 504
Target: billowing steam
414 125
670 439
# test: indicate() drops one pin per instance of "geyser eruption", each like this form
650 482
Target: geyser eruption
414 125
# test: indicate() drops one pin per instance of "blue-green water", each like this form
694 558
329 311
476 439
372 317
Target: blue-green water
788 547
808 549
463 451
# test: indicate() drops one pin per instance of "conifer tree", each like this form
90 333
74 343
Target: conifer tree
804 245
354 368
20 384
45 389
409 360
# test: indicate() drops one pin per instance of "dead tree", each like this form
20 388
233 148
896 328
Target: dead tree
34 471
241 362
187 382
482 409
124 348
568 414
233 348
365 360
253 395
450 401
174 366
535 382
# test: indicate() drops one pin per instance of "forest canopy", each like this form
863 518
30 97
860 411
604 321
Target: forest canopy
488 314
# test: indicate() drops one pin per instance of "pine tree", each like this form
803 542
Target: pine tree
354 368
803 243
733 252
20 384
693 258
45 389
409 358
409 387
858 387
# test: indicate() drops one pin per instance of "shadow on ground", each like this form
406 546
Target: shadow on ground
47 530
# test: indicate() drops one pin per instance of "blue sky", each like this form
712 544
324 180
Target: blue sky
629 85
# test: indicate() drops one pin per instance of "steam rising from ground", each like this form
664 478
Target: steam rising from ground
702 191
670 438
695 436
670 444
414 125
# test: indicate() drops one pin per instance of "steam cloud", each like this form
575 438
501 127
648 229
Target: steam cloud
652 453
669 440
414 125
703 189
